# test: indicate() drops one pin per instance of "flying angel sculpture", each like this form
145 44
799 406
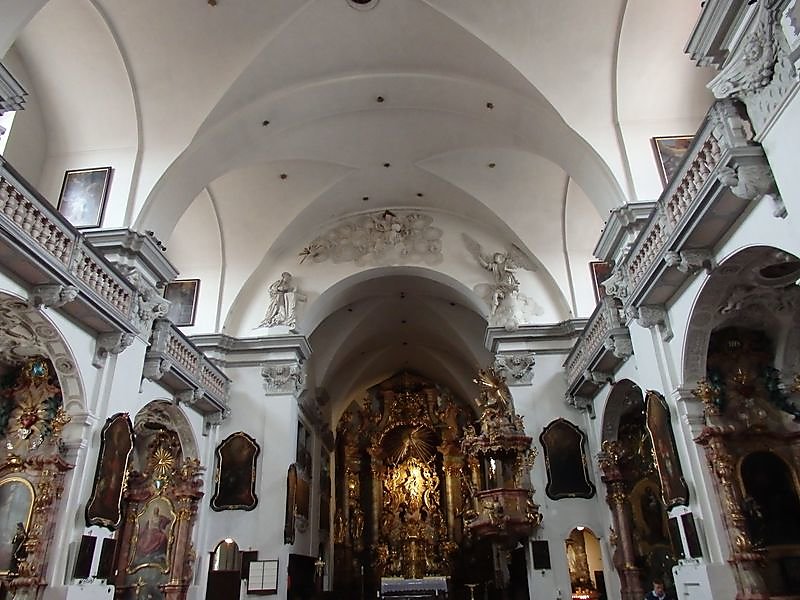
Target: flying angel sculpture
502 266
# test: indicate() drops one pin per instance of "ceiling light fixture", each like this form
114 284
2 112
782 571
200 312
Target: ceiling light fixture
363 4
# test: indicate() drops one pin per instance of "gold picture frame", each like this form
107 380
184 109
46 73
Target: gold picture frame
151 545
669 151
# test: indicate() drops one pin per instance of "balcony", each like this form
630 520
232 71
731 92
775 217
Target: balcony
182 368
42 249
602 347
721 174
723 171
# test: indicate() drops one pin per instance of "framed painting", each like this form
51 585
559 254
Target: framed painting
104 508
152 540
182 295
291 500
600 271
565 461
669 152
16 505
235 477
83 196
674 490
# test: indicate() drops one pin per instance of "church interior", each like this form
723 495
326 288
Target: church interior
350 299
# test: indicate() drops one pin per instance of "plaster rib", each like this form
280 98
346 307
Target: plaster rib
222 257
564 199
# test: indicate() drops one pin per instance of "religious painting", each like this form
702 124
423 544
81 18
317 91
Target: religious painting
565 461
674 490
649 514
182 295
291 498
235 477
152 539
600 272
83 196
104 508
669 153
16 504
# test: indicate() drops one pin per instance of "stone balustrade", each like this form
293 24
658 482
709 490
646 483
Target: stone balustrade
180 366
602 347
48 250
721 173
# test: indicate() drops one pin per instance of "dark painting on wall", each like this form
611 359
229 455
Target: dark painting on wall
104 508
235 478
565 461
182 295
600 272
291 499
674 490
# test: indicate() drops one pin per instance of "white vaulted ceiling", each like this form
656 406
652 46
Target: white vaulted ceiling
555 94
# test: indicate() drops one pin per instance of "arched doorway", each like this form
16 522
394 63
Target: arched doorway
225 572
585 563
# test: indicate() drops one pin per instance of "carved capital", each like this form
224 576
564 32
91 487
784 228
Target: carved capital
690 261
110 343
515 367
52 296
284 378
214 419
616 285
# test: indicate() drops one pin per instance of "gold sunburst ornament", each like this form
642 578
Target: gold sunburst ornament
163 462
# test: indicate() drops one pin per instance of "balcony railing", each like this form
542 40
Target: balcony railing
181 367
602 347
46 249
42 248
722 172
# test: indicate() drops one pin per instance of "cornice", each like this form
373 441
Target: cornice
232 351
552 338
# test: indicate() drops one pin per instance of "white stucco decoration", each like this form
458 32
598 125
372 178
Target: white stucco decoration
379 239
283 299
507 306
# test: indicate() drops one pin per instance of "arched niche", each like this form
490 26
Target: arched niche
624 395
160 415
753 288
27 332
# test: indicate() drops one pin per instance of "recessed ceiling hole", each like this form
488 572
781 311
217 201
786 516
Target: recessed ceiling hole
492 165
420 194
365 198
284 176
387 165
490 105
380 99
264 123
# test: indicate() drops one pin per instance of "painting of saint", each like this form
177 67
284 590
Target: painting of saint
565 461
116 444
152 539
236 473
673 486
669 154
16 501
83 196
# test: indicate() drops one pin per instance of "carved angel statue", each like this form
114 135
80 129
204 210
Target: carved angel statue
283 300
502 266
